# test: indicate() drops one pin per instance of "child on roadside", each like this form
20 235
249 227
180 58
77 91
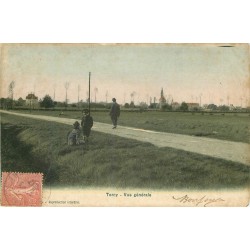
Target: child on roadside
74 135
87 123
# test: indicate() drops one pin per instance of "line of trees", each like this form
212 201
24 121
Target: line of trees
8 103
47 102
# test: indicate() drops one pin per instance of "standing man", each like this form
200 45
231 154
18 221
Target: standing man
114 112
86 123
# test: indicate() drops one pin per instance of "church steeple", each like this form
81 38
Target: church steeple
162 98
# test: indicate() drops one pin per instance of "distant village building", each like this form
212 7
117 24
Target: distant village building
31 100
231 107
193 106
162 99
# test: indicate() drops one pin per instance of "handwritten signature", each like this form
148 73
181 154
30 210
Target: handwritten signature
198 201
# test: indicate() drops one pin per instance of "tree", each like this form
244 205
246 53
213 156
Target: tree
60 104
126 105
132 105
6 103
166 106
223 108
184 107
152 106
132 95
212 106
143 105
20 102
47 102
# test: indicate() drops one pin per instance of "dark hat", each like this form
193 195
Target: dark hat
76 124
85 111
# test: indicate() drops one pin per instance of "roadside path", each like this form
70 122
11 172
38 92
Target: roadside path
228 150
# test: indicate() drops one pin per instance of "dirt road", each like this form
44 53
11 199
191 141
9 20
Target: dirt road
233 151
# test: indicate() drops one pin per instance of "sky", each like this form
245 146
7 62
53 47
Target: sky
202 73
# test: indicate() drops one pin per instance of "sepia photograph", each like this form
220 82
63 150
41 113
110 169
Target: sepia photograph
125 124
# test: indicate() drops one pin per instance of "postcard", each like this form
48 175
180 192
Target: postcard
125 125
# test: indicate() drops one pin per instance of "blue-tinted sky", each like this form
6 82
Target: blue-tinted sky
185 72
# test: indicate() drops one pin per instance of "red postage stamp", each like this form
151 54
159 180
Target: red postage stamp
22 189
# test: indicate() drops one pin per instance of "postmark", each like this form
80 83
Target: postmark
22 189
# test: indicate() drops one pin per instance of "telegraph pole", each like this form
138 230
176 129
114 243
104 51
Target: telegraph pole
107 93
66 85
89 91
54 93
11 92
78 96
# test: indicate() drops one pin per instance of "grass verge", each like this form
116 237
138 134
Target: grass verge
109 161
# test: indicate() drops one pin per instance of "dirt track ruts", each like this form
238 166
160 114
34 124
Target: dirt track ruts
228 150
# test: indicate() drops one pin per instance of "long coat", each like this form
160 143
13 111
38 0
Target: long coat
87 124
115 110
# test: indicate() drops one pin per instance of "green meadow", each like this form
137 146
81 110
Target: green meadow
110 161
225 126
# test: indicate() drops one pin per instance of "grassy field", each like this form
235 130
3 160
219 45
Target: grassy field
225 126
109 161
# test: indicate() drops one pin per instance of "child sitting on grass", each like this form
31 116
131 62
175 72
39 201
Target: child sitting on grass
74 135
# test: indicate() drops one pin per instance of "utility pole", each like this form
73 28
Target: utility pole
147 96
106 95
89 91
30 105
66 85
96 91
33 98
54 92
78 96
11 92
